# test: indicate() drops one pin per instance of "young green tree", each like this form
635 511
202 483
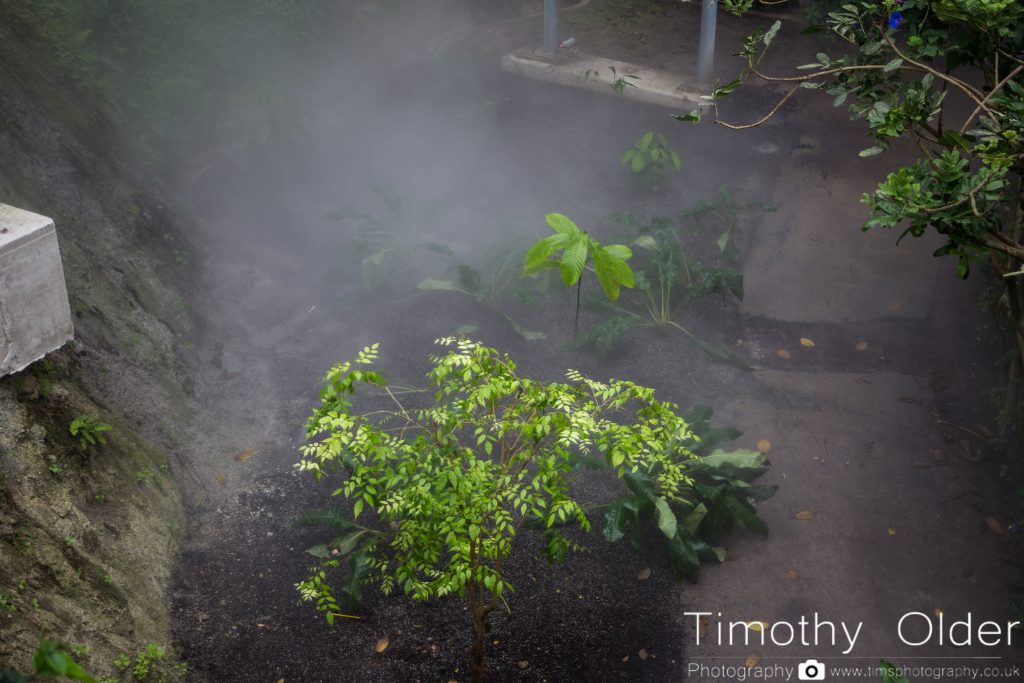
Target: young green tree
449 486
578 249
947 75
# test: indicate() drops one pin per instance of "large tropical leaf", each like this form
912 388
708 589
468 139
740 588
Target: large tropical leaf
574 258
562 224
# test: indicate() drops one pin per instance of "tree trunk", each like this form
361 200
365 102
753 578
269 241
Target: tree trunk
478 651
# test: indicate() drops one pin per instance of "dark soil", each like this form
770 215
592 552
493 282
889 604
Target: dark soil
498 151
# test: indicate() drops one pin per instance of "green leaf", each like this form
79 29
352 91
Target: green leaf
693 117
622 517
891 673
332 517
636 163
692 521
356 509
528 335
320 550
893 65
727 88
952 138
676 162
347 543
646 242
574 258
871 151
360 566
683 559
619 251
445 285
646 141
538 254
721 355
612 272
51 660
666 518
561 224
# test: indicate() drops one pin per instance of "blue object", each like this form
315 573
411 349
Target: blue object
895 19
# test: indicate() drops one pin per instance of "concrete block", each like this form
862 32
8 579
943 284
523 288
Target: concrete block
577 69
35 317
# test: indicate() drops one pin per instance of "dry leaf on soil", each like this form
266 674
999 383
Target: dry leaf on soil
643 654
753 661
764 445
805 515
808 343
783 353
994 524
892 531
644 574
938 611
861 346
791 574
523 663
381 645
758 625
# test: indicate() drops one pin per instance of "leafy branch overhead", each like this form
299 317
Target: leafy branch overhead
947 76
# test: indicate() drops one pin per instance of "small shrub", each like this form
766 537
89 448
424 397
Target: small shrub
650 159
449 487
89 431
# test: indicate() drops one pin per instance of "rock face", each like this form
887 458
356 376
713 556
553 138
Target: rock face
88 535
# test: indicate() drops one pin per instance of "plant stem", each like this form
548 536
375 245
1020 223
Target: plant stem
576 328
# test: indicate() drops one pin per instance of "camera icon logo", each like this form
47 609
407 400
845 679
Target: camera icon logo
811 670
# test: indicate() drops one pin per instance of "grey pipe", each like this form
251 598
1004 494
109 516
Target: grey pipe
551 27
706 53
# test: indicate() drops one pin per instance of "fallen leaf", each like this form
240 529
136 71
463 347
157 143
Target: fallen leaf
758 625
791 574
221 479
783 353
994 524
804 515
938 611
644 574
280 680
809 343
381 645
764 445
246 454
892 531
861 346
523 663
642 654
626 658
753 660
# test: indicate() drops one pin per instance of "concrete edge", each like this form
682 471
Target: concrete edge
579 69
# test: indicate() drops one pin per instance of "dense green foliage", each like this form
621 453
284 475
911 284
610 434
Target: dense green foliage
449 486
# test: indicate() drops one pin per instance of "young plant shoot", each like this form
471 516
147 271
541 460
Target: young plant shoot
609 262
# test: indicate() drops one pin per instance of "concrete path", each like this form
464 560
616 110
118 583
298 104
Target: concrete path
881 509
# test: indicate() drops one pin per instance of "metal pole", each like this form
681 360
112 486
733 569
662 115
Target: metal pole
551 27
706 54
